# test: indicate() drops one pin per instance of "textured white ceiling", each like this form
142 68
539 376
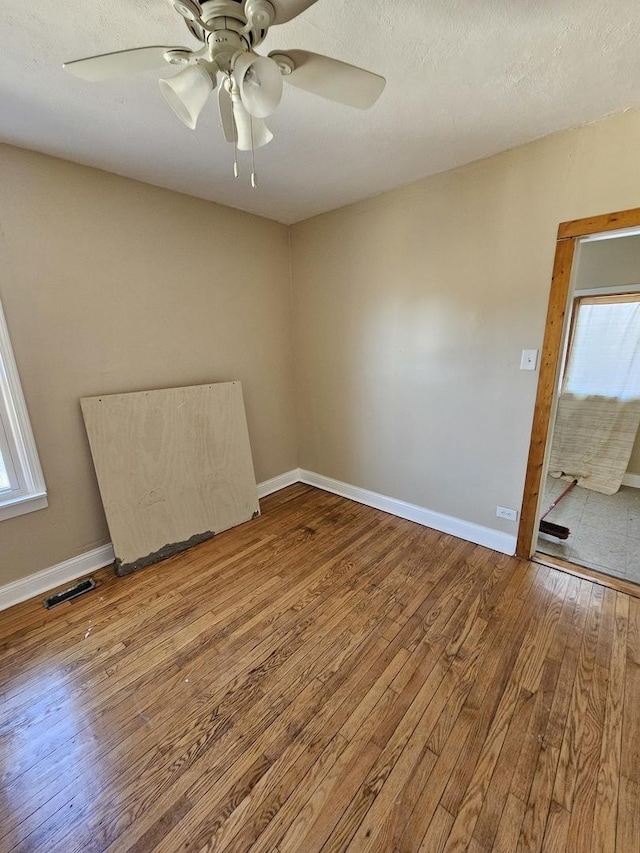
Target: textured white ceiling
466 78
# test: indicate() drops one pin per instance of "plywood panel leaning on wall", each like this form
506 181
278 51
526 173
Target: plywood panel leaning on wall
174 468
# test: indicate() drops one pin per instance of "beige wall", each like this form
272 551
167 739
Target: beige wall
608 263
110 285
410 312
412 308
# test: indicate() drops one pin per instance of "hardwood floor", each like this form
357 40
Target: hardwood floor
325 678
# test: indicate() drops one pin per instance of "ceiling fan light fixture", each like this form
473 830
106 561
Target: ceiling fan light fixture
260 82
187 93
252 133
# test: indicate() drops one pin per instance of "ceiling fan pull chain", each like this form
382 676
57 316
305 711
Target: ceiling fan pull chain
254 182
236 168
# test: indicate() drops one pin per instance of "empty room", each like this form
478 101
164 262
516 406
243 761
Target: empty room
320 427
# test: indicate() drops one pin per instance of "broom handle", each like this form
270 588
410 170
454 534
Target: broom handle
558 499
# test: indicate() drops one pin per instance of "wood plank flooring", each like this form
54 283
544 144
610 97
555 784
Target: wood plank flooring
325 678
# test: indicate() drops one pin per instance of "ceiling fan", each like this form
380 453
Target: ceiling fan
250 87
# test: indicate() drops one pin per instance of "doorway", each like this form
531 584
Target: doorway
582 480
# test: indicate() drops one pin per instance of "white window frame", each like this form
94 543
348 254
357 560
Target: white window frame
27 490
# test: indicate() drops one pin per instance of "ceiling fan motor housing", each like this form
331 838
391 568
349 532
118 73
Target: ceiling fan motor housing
252 17
224 44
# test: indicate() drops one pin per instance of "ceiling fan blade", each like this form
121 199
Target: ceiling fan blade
331 78
286 10
226 113
108 66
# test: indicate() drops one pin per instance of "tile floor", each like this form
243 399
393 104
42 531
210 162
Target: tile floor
605 529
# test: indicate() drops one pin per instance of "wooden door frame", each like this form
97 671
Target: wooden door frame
569 233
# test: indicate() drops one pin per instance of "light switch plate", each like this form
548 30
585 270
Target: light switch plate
529 360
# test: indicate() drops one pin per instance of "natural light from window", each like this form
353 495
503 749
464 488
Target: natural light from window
604 358
22 487
4 477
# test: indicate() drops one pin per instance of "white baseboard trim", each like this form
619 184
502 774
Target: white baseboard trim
279 482
69 570
62 573
632 480
505 543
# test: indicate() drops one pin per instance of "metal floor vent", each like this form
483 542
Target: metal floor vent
67 594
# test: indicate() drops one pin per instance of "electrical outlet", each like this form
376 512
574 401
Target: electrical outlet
508 514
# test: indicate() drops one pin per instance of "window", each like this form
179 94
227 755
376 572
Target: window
22 487
604 356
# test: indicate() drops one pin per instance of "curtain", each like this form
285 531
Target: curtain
599 409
